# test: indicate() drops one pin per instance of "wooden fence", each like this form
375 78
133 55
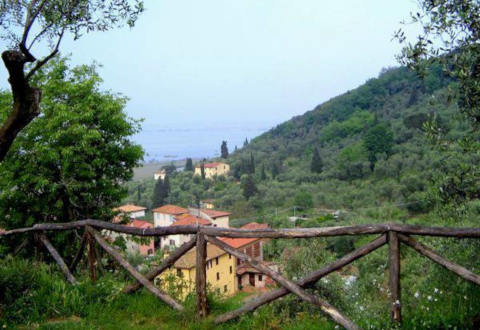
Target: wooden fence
391 234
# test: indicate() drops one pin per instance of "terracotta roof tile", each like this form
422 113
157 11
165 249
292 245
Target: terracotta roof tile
239 242
215 214
211 165
170 209
140 224
190 220
127 208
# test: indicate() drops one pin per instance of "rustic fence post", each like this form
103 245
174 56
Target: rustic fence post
201 275
394 271
92 258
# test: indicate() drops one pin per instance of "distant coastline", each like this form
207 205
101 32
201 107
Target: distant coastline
164 145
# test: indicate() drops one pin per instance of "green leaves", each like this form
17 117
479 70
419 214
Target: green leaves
71 161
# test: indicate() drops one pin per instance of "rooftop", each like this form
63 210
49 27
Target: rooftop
215 214
190 220
211 165
171 209
127 208
140 224
239 242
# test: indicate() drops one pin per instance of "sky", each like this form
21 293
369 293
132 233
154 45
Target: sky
190 62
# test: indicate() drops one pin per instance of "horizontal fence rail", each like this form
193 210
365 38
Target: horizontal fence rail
392 234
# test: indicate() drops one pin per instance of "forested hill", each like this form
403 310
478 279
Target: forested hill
370 142
360 150
397 97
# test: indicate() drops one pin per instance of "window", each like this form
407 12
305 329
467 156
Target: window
225 288
172 242
179 273
150 252
229 256
238 262
231 270
218 276
216 260
260 277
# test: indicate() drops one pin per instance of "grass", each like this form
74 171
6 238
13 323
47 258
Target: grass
144 311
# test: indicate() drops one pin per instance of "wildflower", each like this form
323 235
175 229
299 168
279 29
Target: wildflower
417 294
429 298
362 308
465 297
436 290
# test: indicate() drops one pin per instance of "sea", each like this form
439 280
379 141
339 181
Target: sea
179 141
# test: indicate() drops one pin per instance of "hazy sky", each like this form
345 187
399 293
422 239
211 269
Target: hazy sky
242 61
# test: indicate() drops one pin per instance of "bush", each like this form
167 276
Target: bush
32 292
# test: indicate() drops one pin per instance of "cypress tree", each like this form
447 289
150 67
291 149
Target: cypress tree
245 143
189 165
202 170
252 164
275 170
157 199
224 150
249 187
317 164
263 175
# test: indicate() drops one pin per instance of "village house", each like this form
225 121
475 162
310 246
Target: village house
216 217
225 273
253 247
182 220
130 210
166 215
160 174
213 169
207 204
220 272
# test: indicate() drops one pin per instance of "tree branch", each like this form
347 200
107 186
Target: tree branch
48 57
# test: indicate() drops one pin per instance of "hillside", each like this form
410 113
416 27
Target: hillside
395 104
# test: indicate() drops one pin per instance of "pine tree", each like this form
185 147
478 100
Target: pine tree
249 187
317 164
224 150
189 165
245 143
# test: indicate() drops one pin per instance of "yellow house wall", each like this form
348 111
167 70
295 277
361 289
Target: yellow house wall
223 268
221 169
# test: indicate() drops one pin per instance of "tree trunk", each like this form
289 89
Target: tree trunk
26 100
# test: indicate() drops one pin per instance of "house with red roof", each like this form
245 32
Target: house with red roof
130 210
212 169
247 276
183 220
216 217
165 215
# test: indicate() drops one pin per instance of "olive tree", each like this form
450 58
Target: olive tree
31 26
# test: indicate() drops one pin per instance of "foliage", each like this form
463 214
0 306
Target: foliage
189 165
161 192
71 162
224 150
377 140
316 165
249 187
